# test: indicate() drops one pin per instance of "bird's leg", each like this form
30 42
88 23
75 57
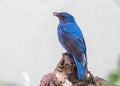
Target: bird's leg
69 53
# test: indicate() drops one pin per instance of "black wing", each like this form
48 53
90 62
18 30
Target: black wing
75 46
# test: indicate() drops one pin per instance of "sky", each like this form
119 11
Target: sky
29 46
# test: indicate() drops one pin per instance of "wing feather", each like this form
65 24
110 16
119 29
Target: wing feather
75 46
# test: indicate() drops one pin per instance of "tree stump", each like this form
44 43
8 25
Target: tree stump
65 74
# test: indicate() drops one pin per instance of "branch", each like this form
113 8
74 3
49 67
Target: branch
65 74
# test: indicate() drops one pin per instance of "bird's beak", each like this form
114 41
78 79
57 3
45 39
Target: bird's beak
56 14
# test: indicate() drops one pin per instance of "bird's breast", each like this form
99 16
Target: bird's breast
59 31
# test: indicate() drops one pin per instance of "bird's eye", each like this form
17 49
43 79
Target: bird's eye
62 16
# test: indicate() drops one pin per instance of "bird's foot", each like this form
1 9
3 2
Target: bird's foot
67 53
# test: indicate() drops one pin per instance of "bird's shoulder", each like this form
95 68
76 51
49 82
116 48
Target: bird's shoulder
71 29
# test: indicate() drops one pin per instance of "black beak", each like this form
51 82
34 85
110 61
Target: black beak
56 14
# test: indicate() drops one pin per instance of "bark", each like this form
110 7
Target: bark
65 74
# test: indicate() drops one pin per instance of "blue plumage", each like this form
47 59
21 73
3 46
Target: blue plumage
71 38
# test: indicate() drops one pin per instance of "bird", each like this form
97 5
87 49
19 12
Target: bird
71 38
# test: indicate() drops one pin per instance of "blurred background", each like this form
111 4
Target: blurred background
29 47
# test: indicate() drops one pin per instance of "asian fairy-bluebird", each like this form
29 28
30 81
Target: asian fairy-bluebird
71 38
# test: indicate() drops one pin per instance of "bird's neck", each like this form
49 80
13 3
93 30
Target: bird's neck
65 22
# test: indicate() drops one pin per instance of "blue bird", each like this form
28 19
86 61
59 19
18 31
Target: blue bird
71 38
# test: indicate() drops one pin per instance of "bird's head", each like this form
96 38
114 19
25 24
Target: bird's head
64 17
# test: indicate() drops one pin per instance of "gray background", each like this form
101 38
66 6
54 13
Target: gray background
29 47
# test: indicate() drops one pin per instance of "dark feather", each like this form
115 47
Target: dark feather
72 46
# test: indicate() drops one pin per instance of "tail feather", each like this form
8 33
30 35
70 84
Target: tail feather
80 67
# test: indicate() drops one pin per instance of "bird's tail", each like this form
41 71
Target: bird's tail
80 67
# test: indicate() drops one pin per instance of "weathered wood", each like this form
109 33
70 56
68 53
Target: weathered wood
65 74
